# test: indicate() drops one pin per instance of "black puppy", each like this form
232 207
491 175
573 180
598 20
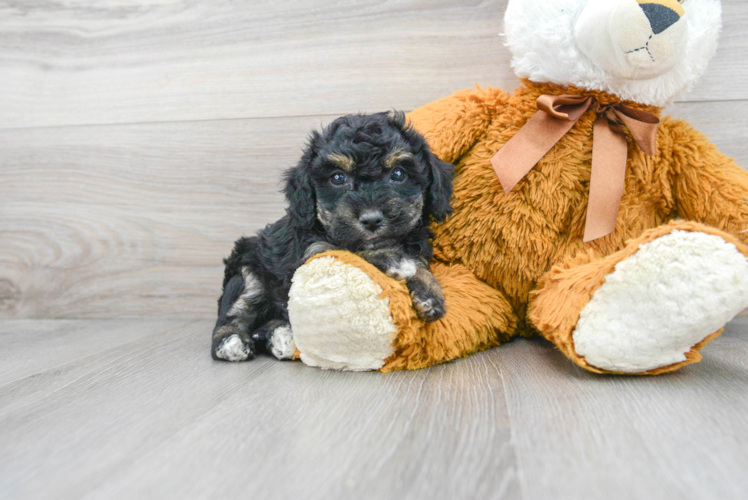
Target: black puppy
368 184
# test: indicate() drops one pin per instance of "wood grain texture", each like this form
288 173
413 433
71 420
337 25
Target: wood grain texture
156 417
127 61
152 416
62 342
115 61
133 220
584 436
729 67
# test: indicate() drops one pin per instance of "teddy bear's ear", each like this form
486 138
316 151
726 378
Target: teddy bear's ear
299 190
440 189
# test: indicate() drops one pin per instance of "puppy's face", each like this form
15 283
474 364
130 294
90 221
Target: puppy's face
369 200
373 181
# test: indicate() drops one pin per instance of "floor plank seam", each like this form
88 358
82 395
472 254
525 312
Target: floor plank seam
274 117
168 122
512 437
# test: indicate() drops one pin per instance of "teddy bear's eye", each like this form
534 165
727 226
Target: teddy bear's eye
338 179
398 175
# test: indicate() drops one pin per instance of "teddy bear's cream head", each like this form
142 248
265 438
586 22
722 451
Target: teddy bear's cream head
649 51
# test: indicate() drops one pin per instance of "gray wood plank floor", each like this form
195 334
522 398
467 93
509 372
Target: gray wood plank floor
140 138
103 409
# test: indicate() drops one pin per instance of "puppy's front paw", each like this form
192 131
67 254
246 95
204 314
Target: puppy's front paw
229 344
427 296
429 307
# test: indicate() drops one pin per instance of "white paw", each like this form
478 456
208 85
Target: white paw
282 345
660 302
232 349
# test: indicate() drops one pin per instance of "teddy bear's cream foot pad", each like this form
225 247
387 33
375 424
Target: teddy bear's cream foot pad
340 321
660 302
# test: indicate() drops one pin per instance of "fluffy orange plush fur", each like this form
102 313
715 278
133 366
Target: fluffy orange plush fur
515 264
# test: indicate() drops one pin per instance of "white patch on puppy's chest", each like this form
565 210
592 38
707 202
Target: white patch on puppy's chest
403 270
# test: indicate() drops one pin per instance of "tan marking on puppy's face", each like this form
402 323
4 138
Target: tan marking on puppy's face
341 161
396 156
324 215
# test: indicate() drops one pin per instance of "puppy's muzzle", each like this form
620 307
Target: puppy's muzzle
371 219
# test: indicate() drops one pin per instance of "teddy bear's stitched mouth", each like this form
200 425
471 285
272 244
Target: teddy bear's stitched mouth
645 47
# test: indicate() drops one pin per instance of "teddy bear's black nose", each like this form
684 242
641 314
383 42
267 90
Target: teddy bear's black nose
371 219
660 17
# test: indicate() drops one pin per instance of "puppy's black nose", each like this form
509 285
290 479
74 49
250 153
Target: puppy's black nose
371 219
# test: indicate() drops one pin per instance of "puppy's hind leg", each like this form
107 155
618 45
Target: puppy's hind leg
276 338
238 314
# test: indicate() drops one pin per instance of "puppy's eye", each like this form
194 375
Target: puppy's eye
398 175
338 179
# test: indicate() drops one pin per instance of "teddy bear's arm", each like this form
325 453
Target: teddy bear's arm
708 186
452 124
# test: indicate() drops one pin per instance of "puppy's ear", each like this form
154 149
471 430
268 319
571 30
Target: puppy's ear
396 119
440 189
302 209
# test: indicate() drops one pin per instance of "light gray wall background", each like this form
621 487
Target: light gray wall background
140 138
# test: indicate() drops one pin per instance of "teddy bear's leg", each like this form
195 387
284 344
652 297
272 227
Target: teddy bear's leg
348 315
648 308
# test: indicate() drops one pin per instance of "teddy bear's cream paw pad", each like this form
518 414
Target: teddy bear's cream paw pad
339 320
657 304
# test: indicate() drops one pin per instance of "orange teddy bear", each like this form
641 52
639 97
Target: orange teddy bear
629 256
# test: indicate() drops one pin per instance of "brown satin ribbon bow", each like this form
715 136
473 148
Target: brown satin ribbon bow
555 117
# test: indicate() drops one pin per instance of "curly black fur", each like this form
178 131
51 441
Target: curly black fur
367 184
